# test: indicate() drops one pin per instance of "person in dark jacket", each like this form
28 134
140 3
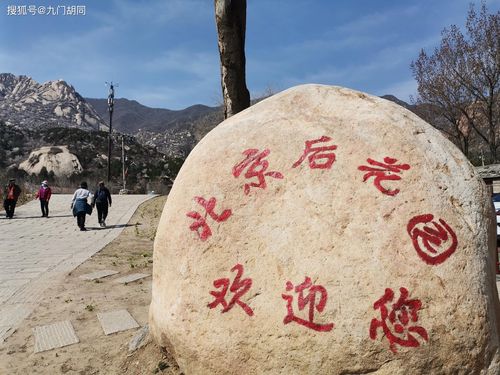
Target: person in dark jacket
102 200
44 194
80 206
11 194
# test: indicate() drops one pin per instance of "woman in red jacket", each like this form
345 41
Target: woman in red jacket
44 194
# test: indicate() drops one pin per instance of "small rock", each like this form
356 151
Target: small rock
140 339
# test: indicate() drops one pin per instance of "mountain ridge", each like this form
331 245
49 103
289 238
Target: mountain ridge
130 116
27 103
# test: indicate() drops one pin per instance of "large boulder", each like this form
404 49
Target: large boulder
326 231
55 159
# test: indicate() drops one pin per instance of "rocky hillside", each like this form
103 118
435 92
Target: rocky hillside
130 116
17 145
28 104
402 103
172 132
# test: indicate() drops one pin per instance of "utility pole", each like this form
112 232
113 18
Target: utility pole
123 165
111 103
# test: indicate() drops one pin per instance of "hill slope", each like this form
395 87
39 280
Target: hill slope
16 145
130 116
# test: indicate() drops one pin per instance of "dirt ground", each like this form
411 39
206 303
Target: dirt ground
79 301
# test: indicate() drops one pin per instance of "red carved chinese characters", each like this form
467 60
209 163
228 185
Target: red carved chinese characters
238 287
434 241
397 320
383 172
318 153
201 222
303 301
257 167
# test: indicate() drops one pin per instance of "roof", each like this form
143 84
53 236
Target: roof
489 171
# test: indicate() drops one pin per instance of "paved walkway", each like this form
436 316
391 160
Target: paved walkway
36 252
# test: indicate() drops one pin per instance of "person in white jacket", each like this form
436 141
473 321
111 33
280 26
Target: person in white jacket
80 206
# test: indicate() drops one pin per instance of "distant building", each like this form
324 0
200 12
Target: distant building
491 176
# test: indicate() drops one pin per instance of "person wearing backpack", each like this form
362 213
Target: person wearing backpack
102 200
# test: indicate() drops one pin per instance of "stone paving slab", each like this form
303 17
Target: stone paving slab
30 293
34 269
98 275
9 314
6 293
132 277
36 252
54 335
116 321
14 282
10 318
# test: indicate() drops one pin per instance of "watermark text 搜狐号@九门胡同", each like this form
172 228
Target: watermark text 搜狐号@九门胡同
46 10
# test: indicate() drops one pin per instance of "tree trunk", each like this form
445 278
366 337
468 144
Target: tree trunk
493 150
230 18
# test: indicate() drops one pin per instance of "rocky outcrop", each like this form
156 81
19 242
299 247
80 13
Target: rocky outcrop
29 104
326 231
55 159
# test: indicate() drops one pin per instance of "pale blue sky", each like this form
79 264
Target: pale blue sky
164 53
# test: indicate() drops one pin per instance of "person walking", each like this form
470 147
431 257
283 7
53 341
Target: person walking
11 194
80 206
102 199
44 194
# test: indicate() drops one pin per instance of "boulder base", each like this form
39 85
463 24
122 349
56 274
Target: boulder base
326 231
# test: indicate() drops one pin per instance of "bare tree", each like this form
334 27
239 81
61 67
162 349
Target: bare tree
230 18
461 80
444 114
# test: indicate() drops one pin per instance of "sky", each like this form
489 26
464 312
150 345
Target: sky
163 53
